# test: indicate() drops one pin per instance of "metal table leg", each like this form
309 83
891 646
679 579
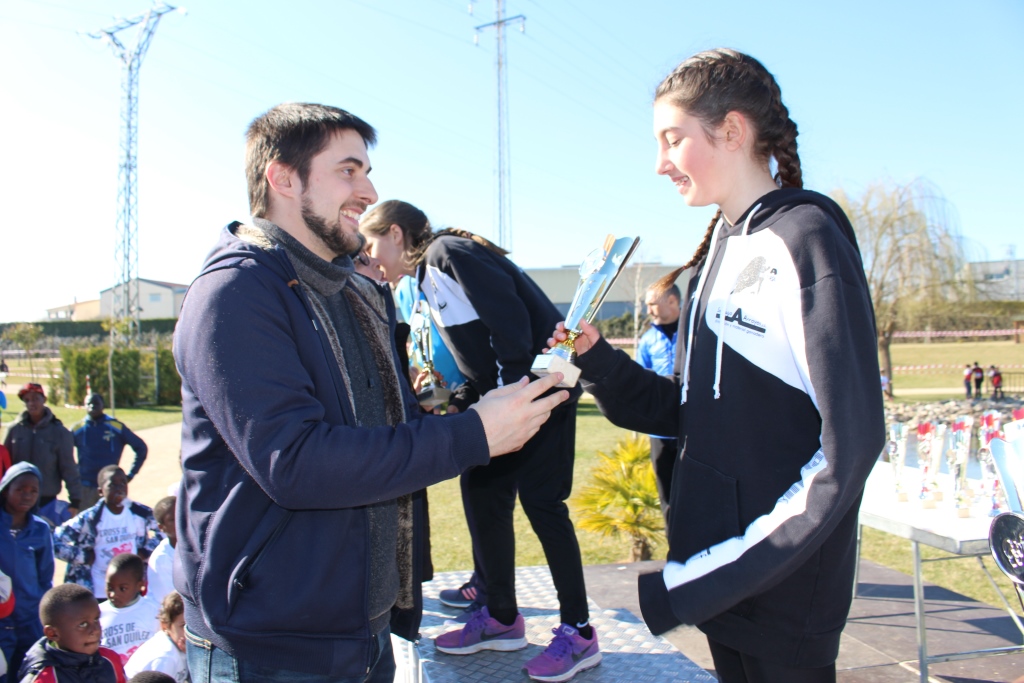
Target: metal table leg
922 637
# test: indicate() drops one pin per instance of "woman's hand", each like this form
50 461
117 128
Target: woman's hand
418 381
583 343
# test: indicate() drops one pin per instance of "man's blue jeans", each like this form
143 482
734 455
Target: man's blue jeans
209 664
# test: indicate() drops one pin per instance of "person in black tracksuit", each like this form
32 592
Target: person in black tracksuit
495 320
776 405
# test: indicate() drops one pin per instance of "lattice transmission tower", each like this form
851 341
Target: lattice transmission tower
504 175
126 309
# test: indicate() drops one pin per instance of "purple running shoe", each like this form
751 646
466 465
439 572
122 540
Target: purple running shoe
482 632
566 655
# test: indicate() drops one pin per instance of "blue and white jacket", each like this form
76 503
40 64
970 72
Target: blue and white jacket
780 420
74 537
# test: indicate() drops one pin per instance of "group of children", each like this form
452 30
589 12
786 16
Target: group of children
116 618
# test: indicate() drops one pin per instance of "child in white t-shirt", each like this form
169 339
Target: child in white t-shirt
129 617
161 562
164 652
112 526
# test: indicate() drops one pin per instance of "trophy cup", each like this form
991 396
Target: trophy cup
897 449
990 477
925 445
597 275
958 455
940 444
431 393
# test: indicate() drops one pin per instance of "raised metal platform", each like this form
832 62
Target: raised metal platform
629 652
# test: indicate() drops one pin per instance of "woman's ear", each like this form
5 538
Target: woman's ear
396 234
734 131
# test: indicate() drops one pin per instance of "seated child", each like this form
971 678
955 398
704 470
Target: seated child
70 649
26 555
161 562
166 650
112 526
129 617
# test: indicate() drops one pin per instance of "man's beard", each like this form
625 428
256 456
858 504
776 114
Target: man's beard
333 235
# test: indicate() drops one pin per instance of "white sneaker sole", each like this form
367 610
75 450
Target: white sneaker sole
582 665
503 645
455 604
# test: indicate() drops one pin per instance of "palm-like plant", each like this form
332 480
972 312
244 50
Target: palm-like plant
622 498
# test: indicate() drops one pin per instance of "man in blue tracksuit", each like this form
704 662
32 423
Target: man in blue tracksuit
300 442
100 440
657 351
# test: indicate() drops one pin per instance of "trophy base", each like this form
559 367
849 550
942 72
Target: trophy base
928 504
963 512
433 397
902 497
548 363
937 496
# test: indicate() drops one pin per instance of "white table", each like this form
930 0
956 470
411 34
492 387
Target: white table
940 528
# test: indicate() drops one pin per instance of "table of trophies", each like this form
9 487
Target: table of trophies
957 523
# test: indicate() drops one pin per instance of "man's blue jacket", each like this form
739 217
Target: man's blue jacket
101 442
273 532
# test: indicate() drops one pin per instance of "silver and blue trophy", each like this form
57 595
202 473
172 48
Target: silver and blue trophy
598 273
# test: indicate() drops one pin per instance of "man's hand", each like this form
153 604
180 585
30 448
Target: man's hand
583 343
513 413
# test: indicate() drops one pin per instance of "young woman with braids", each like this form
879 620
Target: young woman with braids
776 402
495 320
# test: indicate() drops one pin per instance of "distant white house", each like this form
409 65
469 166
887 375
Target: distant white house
79 310
156 299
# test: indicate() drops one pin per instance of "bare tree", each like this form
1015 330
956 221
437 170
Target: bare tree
25 336
912 251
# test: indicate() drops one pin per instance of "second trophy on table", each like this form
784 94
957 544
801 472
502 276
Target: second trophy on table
431 394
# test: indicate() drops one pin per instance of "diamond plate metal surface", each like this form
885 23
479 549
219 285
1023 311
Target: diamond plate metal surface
629 652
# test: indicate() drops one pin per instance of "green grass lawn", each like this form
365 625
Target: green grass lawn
136 418
956 354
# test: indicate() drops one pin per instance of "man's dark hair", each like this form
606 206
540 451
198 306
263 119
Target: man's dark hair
163 506
60 599
151 677
293 134
93 395
109 470
130 562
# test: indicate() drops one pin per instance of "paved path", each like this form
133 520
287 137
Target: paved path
162 470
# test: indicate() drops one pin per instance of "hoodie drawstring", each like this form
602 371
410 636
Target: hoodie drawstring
701 281
696 302
725 309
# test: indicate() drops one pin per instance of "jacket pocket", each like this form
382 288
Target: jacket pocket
309 577
705 508
238 582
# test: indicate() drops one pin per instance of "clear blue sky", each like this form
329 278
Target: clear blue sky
881 91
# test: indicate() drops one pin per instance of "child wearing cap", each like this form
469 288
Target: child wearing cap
40 438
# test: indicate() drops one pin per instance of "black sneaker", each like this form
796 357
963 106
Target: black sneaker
459 598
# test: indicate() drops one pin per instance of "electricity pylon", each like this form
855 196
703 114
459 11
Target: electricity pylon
504 179
126 310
